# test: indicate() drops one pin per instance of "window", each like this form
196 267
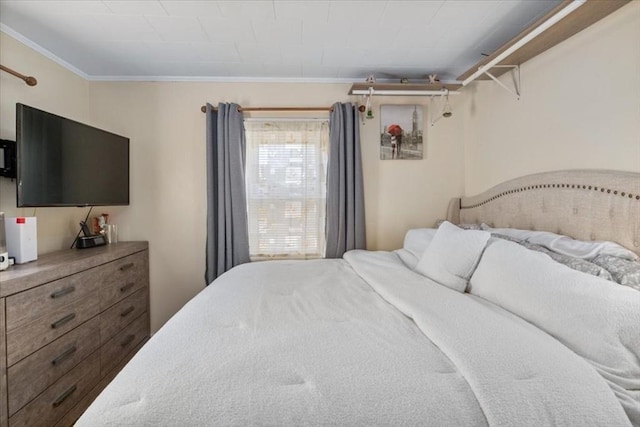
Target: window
286 187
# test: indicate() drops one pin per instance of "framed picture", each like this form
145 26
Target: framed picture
401 135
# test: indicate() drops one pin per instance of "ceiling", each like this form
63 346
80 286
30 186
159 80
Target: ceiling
269 40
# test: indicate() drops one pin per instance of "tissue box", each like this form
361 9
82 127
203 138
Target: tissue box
22 238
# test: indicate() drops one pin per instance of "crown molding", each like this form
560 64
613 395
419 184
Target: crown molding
42 51
224 79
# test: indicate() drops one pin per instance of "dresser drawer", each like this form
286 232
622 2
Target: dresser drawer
30 376
122 278
25 307
117 348
59 398
120 315
25 340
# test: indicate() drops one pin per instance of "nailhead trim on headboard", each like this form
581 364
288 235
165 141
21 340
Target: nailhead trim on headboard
535 187
586 204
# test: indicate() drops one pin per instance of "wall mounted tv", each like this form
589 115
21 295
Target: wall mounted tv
61 162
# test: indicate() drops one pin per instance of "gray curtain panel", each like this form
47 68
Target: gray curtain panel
345 227
227 230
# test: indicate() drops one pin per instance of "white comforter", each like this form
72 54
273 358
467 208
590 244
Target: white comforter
360 341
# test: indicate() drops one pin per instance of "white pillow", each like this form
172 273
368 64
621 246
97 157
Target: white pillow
417 240
408 258
595 318
566 245
452 256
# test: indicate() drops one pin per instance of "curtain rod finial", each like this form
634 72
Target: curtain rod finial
29 80
203 108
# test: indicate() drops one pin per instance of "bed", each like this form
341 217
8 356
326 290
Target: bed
459 327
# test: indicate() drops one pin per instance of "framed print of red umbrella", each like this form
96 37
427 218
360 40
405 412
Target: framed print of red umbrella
401 132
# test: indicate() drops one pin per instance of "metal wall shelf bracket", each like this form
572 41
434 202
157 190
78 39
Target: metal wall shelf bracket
515 72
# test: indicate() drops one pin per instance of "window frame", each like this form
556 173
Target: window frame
321 206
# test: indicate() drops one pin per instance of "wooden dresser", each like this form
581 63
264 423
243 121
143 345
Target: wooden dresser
68 323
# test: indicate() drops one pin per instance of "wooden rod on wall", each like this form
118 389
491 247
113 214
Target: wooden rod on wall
30 80
204 109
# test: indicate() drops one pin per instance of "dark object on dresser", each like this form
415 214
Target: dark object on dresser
7 158
85 242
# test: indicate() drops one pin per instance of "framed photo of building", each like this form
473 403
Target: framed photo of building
401 134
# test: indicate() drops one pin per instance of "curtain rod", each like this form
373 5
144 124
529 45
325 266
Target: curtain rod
204 109
31 81
361 108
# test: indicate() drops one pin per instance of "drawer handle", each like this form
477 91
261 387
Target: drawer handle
127 311
65 319
127 340
126 266
62 292
63 356
126 287
64 396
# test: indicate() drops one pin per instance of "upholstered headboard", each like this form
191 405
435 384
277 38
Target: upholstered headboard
583 204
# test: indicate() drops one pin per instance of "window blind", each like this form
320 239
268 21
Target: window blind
286 187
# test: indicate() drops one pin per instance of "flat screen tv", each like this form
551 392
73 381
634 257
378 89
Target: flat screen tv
61 162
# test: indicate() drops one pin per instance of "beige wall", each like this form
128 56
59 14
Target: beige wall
403 194
580 108
168 194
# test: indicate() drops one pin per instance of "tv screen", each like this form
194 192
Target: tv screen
61 162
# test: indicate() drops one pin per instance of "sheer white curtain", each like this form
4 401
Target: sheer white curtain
286 187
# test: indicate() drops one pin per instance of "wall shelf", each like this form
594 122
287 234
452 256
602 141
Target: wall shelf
403 89
563 21
590 12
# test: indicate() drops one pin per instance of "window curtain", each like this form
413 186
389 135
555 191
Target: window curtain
227 234
345 229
